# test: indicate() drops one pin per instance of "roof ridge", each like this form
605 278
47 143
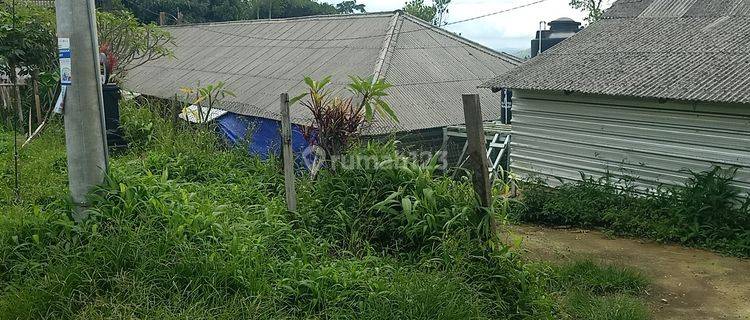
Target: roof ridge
388 43
290 19
475 45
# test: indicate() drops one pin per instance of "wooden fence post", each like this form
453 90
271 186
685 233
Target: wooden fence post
288 156
477 154
162 18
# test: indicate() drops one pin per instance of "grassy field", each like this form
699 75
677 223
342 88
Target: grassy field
185 227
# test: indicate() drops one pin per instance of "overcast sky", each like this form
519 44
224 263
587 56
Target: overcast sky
509 31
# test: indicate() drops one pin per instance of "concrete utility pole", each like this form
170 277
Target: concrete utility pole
85 138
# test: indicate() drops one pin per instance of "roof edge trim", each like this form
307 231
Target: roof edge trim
387 44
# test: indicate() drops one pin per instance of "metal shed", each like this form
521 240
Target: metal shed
656 88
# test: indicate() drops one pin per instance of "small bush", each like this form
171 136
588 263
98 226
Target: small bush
708 211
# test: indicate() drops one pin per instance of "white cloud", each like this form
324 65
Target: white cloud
505 31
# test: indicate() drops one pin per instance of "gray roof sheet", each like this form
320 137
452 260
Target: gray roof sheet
696 50
429 67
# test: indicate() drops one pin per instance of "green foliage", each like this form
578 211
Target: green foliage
586 275
708 211
583 305
208 96
194 11
130 42
27 39
185 227
434 14
350 7
420 10
28 47
337 121
594 291
592 8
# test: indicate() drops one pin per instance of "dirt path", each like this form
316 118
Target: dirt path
687 283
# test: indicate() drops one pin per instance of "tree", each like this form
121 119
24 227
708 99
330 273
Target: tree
129 43
434 13
592 8
441 11
27 48
418 9
350 6
221 10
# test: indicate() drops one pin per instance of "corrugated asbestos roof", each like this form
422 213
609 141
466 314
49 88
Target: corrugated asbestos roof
696 50
430 68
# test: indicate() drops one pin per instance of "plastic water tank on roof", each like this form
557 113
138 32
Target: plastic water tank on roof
559 30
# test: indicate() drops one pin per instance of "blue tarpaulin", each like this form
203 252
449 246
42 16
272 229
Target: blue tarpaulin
262 135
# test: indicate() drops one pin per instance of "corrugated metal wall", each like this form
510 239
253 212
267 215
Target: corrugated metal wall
558 136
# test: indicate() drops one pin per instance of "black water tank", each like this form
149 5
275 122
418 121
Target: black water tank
559 30
112 116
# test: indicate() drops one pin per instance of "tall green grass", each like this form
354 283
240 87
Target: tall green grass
186 227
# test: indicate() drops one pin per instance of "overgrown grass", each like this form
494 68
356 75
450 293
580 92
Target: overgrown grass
708 211
185 227
595 291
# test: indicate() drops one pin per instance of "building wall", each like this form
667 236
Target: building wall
558 135
419 140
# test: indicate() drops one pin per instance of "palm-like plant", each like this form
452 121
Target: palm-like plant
337 121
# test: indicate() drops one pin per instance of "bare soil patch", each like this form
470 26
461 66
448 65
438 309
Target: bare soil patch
687 283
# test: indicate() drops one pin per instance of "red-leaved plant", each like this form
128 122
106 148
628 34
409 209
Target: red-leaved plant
337 122
111 61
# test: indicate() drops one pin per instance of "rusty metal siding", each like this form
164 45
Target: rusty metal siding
558 136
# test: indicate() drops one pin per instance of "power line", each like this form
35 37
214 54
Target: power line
496 12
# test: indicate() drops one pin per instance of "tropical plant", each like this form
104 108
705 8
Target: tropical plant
337 122
130 43
207 97
350 6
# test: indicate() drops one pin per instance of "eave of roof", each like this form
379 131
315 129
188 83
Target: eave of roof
696 51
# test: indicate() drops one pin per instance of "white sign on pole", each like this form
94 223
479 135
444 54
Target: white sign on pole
63 45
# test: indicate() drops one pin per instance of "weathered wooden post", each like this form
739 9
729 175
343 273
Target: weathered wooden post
162 18
477 154
288 156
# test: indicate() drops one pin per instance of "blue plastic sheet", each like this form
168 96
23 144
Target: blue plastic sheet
263 136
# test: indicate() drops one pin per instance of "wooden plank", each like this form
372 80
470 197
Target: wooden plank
477 153
287 154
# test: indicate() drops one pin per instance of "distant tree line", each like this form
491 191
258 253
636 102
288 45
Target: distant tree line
193 11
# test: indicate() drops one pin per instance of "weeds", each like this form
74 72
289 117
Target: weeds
706 212
185 227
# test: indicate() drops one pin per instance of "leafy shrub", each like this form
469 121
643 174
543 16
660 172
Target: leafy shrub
708 211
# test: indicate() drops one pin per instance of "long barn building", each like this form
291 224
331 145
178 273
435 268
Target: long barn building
428 67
